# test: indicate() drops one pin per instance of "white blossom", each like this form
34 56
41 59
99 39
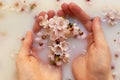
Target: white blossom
111 16
43 21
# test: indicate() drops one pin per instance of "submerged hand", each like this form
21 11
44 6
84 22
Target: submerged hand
95 64
29 67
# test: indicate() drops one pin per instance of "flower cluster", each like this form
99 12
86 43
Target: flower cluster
59 53
56 31
111 16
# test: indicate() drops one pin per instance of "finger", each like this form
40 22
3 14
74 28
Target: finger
43 13
81 15
36 26
60 13
97 32
90 40
27 44
65 9
51 14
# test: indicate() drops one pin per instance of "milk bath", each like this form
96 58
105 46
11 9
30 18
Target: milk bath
16 24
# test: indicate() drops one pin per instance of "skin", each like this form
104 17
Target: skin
29 66
94 65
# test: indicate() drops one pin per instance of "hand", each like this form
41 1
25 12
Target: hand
30 67
95 64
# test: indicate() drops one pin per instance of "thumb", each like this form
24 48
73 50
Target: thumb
98 34
26 45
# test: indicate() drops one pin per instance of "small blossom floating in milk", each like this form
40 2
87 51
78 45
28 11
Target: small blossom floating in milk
19 6
115 76
54 33
2 35
111 16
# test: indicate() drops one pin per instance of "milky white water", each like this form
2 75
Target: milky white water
13 26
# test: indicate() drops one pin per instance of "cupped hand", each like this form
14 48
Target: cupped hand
95 64
30 67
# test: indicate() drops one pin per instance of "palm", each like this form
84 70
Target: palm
95 63
33 70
